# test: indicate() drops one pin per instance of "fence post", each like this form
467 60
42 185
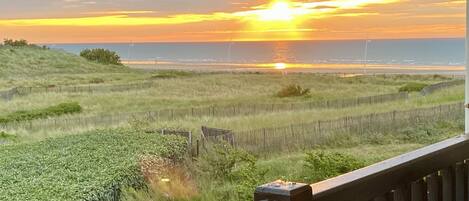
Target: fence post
284 191
265 147
190 143
197 148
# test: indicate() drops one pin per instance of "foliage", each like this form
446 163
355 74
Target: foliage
292 91
15 43
21 43
90 166
57 110
320 165
97 80
170 74
235 169
412 87
6 137
166 181
102 56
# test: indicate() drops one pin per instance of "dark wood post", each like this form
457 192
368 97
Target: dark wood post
283 191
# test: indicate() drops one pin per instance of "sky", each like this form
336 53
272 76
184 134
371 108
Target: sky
94 21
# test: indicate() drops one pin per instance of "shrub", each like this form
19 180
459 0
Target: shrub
60 109
16 43
165 182
102 56
292 91
234 168
170 74
97 81
412 87
91 166
6 137
321 165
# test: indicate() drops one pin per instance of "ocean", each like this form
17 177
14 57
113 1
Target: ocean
409 52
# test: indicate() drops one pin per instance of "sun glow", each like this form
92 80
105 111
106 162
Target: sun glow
280 66
279 11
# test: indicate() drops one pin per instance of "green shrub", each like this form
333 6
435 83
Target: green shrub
102 56
60 109
6 137
320 165
233 168
21 43
412 87
97 81
170 74
91 166
292 91
16 43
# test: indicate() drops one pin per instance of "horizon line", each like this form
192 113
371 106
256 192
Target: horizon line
247 41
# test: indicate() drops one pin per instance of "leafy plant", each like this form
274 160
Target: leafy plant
236 167
57 110
170 74
90 166
97 80
102 56
166 181
320 165
292 91
21 43
412 87
6 137
15 43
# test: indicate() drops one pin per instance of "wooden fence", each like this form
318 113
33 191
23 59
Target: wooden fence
85 88
67 122
439 86
216 135
7 95
302 136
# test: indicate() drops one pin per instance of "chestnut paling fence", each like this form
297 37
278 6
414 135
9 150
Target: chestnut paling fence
440 86
70 122
102 88
306 135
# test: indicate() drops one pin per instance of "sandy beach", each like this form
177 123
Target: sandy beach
357 69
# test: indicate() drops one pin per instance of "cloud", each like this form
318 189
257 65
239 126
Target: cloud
210 19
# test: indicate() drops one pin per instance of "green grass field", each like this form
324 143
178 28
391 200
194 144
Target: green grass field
58 145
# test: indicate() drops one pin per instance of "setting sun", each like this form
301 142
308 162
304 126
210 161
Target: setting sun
280 66
279 11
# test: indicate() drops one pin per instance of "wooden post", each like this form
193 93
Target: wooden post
197 148
265 147
283 191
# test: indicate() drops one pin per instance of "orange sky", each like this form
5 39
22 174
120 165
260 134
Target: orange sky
78 21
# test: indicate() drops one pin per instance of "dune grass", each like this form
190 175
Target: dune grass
22 64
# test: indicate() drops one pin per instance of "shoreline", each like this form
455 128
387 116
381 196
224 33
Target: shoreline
357 69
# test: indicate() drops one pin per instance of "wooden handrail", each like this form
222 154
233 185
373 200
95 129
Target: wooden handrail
389 176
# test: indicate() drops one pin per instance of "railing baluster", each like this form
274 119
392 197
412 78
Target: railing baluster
460 181
385 197
418 191
434 187
402 193
447 184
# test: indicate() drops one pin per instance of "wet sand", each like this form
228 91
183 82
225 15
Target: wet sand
301 68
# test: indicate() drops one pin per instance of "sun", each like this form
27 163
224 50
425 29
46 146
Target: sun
278 11
280 66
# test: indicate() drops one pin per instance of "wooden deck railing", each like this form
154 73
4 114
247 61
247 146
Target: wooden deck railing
438 172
